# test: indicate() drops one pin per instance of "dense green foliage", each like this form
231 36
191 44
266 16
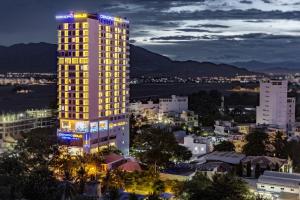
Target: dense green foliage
224 146
158 147
37 169
221 187
206 105
256 144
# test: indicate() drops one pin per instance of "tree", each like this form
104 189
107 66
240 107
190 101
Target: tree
196 188
28 165
280 145
222 187
133 196
158 187
256 144
67 190
229 187
159 147
112 194
40 184
206 105
248 169
225 146
293 149
257 170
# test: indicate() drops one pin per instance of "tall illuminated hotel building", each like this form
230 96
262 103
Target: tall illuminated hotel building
93 90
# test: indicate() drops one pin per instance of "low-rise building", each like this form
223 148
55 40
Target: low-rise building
254 166
245 128
229 157
190 119
225 127
198 145
147 109
279 185
210 169
174 104
112 161
13 124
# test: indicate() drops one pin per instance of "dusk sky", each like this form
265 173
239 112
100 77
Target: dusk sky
205 30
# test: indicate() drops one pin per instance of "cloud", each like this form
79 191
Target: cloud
209 26
176 38
229 51
246 2
260 36
196 30
256 21
266 1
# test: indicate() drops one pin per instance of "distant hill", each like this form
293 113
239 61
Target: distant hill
41 57
276 67
33 57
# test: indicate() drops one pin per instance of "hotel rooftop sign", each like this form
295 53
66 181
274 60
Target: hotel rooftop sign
83 15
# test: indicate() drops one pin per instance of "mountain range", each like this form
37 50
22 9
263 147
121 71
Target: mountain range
41 57
266 67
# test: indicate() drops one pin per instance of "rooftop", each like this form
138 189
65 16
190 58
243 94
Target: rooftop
28 114
280 179
230 157
131 166
112 157
265 160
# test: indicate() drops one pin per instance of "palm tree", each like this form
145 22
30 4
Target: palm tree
68 191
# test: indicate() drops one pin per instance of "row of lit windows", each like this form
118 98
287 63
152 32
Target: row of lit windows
74 108
111 48
66 115
77 102
69 88
112 29
116 37
120 62
73 67
112 94
114 55
73 33
116 74
73 40
83 88
68 74
112 100
109 112
111 68
76 25
72 61
77 47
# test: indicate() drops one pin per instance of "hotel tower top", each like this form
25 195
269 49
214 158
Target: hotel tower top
93 73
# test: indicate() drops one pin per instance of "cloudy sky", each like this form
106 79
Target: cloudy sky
204 30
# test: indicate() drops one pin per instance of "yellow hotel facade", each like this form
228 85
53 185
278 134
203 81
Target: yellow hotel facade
93 77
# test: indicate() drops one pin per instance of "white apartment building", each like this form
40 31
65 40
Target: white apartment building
140 108
278 185
198 145
275 108
175 104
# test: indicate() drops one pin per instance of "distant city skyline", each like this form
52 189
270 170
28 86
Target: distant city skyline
204 30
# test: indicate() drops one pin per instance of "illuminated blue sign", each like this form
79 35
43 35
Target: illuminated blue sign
72 16
69 136
93 127
106 19
61 17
